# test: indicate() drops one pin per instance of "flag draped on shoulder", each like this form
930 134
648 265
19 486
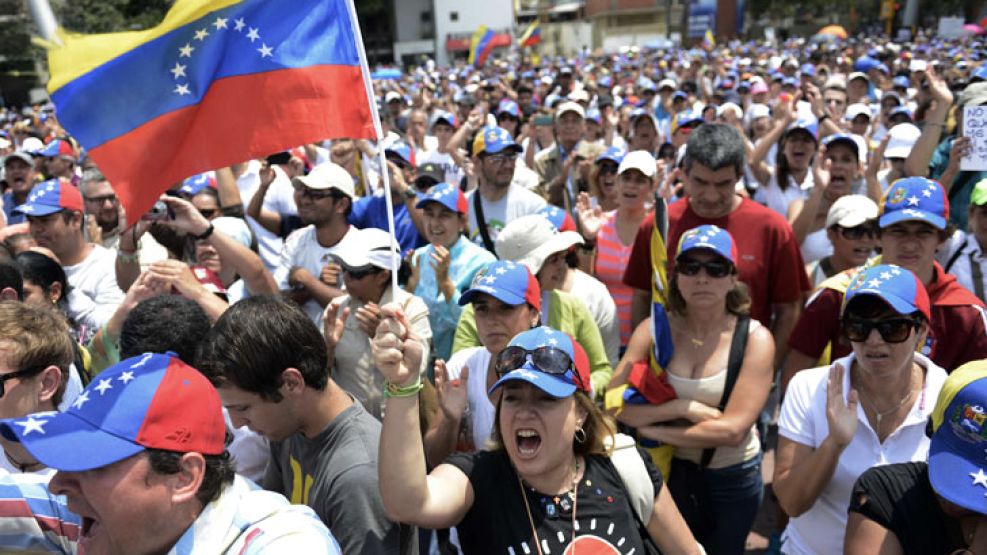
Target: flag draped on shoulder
480 46
215 83
531 35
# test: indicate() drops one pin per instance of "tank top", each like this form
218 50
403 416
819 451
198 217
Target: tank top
612 257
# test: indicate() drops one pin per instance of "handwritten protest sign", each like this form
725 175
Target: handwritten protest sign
975 127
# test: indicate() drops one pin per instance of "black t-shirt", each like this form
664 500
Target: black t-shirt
498 523
900 498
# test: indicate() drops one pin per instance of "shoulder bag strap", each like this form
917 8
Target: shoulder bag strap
481 223
952 259
735 361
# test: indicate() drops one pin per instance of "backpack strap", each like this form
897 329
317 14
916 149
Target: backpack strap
952 259
637 482
735 361
481 223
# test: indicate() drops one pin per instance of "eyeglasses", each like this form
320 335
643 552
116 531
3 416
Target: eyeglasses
23 373
857 232
498 159
208 213
314 194
714 268
360 274
546 359
894 330
100 200
608 169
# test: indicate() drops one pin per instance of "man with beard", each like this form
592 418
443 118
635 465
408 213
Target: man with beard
324 198
20 176
102 209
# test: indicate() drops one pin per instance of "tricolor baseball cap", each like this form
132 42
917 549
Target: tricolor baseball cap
401 152
957 465
559 218
152 401
898 287
193 185
556 385
447 195
49 197
917 199
709 237
686 118
507 281
614 154
492 140
58 147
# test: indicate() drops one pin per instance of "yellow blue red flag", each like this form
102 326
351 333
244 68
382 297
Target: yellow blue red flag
709 41
531 35
215 83
481 45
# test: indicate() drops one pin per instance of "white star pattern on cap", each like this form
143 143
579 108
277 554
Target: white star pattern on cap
913 200
979 478
914 213
874 283
125 377
81 400
927 193
520 372
885 275
896 272
32 425
219 24
500 271
104 385
489 280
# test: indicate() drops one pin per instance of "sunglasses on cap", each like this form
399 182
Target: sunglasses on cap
549 360
893 330
857 232
716 268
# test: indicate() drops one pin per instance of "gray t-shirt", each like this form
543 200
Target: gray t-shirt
335 473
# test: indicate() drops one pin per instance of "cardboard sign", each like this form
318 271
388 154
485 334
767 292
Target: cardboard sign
975 127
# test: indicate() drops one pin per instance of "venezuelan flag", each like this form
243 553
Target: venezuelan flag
709 41
480 46
531 35
215 83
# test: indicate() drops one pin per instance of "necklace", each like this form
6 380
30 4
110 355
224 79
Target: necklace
879 416
531 521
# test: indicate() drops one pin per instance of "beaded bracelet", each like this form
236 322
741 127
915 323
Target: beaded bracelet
391 390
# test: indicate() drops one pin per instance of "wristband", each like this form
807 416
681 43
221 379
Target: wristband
205 234
392 390
129 257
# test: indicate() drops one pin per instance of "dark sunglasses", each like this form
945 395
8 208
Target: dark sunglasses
894 330
208 212
608 169
23 373
857 232
314 194
714 268
360 274
546 359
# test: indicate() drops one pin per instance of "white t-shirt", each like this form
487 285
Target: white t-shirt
95 294
598 300
803 420
302 249
279 198
771 195
816 245
453 173
516 203
482 411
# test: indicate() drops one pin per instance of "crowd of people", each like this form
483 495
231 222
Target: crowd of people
261 365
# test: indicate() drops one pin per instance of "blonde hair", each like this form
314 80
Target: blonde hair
36 337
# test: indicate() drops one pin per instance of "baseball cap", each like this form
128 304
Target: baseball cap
58 147
570 106
865 64
32 145
51 196
402 151
508 282
902 138
667 84
858 75
851 211
19 155
234 228
328 176
639 160
979 74
556 385
856 142
896 286
759 88
959 438
614 154
493 139
804 123
447 195
900 82
443 117
193 185
508 107
900 110
917 199
684 118
559 218
858 109
638 113
369 246
152 401
393 96
708 237
979 194
531 239
429 174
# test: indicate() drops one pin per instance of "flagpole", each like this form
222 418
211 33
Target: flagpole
378 129
44 18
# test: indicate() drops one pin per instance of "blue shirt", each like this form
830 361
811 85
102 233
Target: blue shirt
372 212
8 210
443 315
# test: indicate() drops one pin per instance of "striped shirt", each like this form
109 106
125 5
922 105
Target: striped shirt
611 261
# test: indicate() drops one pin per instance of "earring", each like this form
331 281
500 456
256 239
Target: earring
580 435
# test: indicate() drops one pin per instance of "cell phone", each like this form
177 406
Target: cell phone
279 158
543 120
159 212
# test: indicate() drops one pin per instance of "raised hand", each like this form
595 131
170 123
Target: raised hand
333 325
368 317
591 217
396 349
841 417
453 394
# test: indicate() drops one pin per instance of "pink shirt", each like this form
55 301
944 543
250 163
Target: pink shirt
611 262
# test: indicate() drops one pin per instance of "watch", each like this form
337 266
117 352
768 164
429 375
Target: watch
409 194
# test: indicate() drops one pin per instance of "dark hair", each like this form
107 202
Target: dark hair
161 324
42 271
10 276
715 146
337 195
256 339
782 170
220 470
871 306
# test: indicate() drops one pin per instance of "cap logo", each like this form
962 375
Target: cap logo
897 196
181 435
967 422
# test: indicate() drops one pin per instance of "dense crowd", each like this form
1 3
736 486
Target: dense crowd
240 371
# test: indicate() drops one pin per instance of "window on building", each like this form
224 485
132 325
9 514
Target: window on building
426 16
453 16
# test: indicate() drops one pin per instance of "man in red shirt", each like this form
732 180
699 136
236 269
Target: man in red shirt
770 262
912 224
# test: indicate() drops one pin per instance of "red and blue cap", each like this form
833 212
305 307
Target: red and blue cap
957 465
447 195
58 147
898 287
915 199
686 117
509 107
493 139
195 184
560 219
507 281
148 402
49 197
558 386
709 237
402 151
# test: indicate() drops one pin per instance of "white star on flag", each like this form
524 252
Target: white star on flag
125 377
252 34
182 90
186 51
265 51
81 400
201 34
178 70
239 24
220 23
104 385
32 425
979 478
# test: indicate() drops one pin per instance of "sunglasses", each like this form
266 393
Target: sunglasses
360 274
314 194
209 212
894 330
549 360
23 373
608 169
857 232
714 268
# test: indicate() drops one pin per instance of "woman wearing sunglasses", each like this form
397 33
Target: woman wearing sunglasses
715 476
868 408
545 484
603 179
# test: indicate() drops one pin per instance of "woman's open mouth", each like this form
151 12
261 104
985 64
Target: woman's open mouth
528 442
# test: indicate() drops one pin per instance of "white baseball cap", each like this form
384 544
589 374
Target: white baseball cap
851 211
570 106
640 160
903 138
531 239
328 176
368 247
858 109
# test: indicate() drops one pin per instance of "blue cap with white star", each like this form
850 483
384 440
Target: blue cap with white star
564 385
915 199
898 287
